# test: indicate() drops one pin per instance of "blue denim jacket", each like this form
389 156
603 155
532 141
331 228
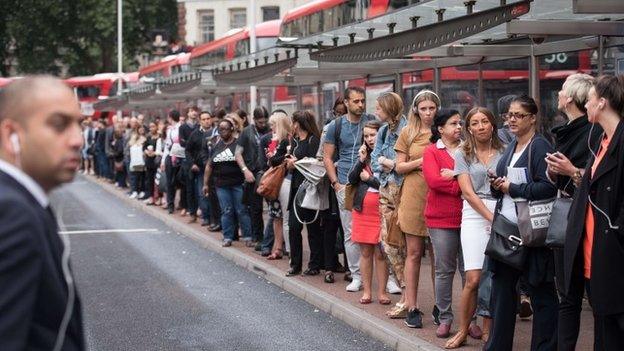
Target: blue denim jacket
386 148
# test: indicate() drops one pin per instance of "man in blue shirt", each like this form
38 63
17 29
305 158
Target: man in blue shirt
340 154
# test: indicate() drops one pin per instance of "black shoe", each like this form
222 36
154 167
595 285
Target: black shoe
205 223
436 315
214 228
265 253
311 271
258 246
292 272
170 210
414 318
348 277
329 277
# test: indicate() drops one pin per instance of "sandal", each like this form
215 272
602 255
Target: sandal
399 311
311 271
329 277
365 301
458 340
384 301
275 255
475 332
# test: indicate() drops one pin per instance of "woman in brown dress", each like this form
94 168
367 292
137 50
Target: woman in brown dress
409 147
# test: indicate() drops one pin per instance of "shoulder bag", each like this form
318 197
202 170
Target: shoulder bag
555 237
534 216
505 244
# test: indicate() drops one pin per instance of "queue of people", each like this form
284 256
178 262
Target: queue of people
397 186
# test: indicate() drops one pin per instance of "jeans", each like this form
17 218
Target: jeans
103 164
269 236
233 210
352 250
448 256
137 181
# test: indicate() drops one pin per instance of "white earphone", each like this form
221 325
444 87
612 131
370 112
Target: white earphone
15 143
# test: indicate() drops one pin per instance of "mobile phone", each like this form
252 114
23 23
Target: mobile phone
491 174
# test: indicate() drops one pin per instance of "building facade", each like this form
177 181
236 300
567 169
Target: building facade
201 21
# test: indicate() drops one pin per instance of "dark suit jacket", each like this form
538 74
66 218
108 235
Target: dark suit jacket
607 192
33 292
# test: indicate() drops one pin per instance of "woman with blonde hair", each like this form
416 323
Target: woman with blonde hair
281 125
410 146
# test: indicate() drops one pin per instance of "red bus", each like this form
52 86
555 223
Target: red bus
90 89
166 67
235 44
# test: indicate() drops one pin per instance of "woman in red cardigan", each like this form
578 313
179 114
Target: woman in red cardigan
443 210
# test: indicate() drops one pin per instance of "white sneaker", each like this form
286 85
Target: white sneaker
392 287
134 195
141 195
355 285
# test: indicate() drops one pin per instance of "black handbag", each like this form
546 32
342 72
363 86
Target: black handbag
505 244
555 237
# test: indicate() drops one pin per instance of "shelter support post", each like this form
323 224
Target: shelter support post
436 80
480 92
601 54
534 79
319 105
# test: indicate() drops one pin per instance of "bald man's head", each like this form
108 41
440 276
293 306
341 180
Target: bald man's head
18 99
40 129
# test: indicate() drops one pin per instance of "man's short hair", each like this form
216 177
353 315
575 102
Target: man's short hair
260 112
17 97
347 92
205 112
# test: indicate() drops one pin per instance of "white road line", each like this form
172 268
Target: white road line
106 231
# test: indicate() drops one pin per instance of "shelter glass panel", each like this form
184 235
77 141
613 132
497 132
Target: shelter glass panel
413 82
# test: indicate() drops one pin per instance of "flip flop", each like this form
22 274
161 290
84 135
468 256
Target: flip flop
364 301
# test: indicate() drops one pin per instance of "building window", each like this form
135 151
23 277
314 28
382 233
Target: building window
206 25
238 18
270 13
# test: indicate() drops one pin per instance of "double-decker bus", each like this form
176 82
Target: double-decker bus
90 89
166 67
235 44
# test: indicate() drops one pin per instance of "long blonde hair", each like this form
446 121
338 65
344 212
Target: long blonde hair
414 121
283 125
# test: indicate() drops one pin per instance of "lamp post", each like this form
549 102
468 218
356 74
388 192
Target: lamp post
119 50
253 92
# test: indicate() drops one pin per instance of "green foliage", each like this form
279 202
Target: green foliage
79 34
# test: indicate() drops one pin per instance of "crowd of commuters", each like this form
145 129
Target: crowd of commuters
399 186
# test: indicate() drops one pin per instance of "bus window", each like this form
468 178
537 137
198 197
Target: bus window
315 23
88 92
242 48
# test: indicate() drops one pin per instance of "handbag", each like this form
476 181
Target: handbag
271 182
394 235
555 237
534 216
350 190
505 244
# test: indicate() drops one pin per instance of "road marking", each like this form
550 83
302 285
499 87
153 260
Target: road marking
107 231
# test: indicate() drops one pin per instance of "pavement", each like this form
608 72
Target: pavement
145 286
332 298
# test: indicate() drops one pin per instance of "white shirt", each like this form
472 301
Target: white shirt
509 206
26 181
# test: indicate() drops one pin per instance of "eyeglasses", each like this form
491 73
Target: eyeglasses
517 116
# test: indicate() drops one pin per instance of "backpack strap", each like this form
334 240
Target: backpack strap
337 131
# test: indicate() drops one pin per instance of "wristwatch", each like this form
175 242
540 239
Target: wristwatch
244 169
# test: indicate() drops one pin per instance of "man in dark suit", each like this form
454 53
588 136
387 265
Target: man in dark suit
40 144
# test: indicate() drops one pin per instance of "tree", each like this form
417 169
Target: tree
80 34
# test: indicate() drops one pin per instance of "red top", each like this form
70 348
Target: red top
444 203
588 240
